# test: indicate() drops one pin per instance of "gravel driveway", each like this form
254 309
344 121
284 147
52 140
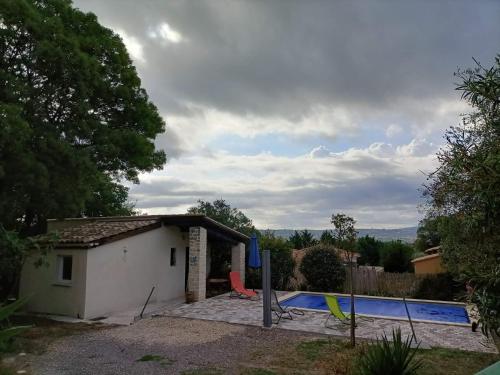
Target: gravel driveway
177 345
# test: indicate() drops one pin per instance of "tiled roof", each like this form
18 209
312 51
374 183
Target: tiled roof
426 257
96 232
433 250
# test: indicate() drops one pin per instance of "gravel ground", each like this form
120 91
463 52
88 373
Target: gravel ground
180 344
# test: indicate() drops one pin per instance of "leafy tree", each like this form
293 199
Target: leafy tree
323 269
222 212
327 238
465 189
73 116
427 234
369 248
282 263
397 256
109 199
307 239
345 237
303 239
296 240
14 252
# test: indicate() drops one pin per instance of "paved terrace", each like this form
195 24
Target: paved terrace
241 311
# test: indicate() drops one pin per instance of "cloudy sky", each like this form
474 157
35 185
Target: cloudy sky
292 110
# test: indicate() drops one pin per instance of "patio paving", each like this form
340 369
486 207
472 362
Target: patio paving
241 311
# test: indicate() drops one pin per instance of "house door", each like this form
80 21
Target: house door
186 270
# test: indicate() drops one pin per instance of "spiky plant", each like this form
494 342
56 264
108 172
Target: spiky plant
389 358
7 331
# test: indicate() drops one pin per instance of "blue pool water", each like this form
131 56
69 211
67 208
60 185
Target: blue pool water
385 307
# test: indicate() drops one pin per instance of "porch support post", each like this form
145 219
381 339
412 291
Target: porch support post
197 262
238 260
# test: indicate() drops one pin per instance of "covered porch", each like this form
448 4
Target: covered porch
204 238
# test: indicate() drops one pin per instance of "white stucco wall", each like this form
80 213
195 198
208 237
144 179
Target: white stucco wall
46 294
110 278
120 274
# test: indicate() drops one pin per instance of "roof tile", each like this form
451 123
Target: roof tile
97 231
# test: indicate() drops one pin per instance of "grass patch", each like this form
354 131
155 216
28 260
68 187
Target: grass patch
6 371
257 371
150 357
155 358
445 361
203 371
335 356
311 350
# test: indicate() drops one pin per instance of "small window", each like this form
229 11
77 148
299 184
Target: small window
64 268
172 256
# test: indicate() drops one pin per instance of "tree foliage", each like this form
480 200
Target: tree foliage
108 198
369 248
397 256
73 116
296 240
222 212
282 263
441 287
344 232
302 239
465 189
7 331
327 238
428 234
323 269
14 252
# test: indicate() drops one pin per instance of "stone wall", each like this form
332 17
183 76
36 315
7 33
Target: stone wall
197 262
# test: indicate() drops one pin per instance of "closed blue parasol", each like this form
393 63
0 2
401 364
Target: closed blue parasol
254 254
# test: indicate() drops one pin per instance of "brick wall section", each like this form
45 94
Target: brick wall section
238 260
197 262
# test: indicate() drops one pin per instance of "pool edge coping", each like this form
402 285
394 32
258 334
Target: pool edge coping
293 294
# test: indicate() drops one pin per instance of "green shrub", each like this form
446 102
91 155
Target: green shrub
323 269
389 358
396 257
7 332
282 263
440 287
486 296
369 248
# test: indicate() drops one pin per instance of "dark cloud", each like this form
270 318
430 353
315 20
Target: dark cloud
282 58
308 201
301 68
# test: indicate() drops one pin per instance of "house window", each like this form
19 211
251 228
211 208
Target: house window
172 256
64 268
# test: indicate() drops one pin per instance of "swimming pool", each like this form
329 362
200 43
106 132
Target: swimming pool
385 308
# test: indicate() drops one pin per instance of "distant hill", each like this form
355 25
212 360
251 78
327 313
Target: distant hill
407 234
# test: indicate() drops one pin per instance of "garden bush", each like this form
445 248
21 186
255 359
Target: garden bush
396 257
323 269
7 331
440 287
282 263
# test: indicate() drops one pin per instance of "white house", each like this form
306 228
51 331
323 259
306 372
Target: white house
102 266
